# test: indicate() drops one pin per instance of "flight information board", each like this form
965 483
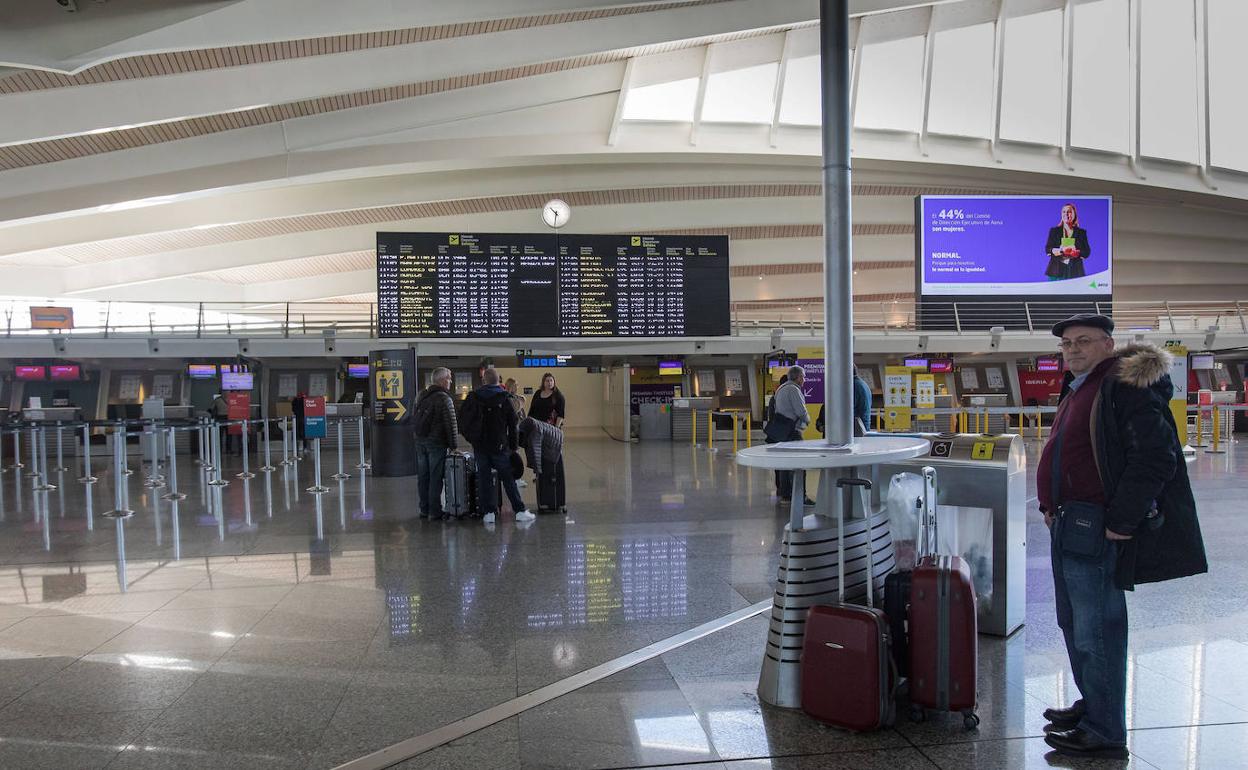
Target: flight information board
542 285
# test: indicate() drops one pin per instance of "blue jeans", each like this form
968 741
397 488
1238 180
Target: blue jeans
1092 613
500 461
430 466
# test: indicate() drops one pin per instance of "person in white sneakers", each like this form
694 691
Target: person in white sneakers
488 420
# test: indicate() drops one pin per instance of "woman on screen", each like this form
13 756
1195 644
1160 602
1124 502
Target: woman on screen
1067 247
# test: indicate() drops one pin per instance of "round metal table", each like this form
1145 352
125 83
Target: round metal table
811 547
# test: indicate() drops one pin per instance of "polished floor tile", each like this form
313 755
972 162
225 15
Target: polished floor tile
1020 753
321 630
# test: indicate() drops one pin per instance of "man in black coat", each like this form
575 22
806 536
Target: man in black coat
1113 487
436 434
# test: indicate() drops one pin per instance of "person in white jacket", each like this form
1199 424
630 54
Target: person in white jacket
790 401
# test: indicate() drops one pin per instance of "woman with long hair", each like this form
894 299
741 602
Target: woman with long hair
1067 247
548 404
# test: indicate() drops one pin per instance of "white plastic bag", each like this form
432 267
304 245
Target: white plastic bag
904 501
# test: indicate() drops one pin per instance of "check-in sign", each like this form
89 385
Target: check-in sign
51 317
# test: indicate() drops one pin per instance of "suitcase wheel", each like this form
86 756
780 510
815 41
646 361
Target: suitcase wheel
970 720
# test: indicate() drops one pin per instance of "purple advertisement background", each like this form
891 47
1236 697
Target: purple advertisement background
1012 251
649 394
814 379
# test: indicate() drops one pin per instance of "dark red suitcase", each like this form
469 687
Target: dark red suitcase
944 642
847 671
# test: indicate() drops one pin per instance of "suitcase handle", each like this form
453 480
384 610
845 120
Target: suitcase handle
847 486
928 543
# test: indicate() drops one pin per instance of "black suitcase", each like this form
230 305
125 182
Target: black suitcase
547 492
897 607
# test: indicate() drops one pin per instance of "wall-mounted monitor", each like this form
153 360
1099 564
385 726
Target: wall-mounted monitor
201 371
940 366
236 381
65 372
1049 364
671 367
357 371
1202 361
30 372
916 363
1014 246
537 285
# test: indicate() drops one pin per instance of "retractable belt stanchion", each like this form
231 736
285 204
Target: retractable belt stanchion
246 474
119 511
286 442
734 433
361 465
17 464
87 478
199 437
268 465
60 448
215 438
1215 436
154 480
710 431
173 493
693 429
317 487
43 485
33 473
341 474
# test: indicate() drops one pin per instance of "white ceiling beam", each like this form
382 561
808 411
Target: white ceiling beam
36 115
626 84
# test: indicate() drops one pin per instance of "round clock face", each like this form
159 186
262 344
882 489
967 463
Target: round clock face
556 213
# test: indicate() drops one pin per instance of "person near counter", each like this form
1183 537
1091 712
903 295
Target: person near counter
789 418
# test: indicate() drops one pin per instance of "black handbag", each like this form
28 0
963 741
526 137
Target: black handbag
1083 524
779 428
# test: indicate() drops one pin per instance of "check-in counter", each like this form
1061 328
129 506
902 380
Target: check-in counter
682 416
996 423
342 417
52 414
981 513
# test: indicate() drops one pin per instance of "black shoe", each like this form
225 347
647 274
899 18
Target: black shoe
786 500
1081 743
808 503
1067 718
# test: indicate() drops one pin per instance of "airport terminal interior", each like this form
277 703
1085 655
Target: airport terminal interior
242 240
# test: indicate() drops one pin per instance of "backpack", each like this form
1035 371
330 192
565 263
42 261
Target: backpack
484 422
425 415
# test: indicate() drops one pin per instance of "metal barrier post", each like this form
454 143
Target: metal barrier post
362 465
1217 429
710 431
749 431
43 486
317 487
60 448
1200 428
341 474
173 493
154 480
268 465
215 459
734 434
693 430
33 473
286 442
120 511
87 478
246 474
17 463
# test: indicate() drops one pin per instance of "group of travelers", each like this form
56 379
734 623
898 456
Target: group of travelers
497 423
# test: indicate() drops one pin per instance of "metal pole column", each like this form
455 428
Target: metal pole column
838 331
268 465
317 487
215 459
362 465
60 449
87 478
120 511
341 474
173 493
246 474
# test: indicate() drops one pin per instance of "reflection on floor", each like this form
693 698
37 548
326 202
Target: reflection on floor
272 628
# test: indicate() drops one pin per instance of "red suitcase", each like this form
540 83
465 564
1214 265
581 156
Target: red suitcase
944 640
847 672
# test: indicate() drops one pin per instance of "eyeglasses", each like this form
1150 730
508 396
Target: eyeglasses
1080 342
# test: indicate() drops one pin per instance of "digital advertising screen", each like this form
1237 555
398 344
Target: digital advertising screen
535 285
916 363
671 367
63 372
236 381
1021 246
201 371
941 365
1202 361
357 371
30 372
1049 364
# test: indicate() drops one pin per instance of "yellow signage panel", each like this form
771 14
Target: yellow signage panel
389 384
982 450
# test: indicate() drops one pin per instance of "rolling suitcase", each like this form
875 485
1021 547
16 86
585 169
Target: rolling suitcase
846 666
944 641
548 488
458 485
897 608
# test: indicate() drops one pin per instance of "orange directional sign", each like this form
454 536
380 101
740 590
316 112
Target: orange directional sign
51 317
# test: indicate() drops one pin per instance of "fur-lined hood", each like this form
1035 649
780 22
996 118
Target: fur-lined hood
1142 365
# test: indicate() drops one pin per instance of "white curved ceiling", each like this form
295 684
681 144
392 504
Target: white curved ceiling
247 151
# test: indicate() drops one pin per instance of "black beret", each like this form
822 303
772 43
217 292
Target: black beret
1104 323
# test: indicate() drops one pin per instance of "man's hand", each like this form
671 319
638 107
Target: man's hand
1112 535
1048 521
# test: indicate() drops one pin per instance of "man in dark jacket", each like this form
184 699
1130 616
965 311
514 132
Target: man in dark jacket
489 423
1113 487
433 421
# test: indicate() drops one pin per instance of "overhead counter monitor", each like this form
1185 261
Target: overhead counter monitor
543 285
